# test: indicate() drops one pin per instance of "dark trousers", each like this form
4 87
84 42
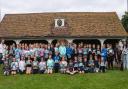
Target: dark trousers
35 71
56 67
102 69
21 72
110 62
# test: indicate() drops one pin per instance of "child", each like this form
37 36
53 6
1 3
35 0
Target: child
63 65
28 66
35 65
85 63
14 67
22 66
56 59
102 66
70 69
42 66
81 66
76 64
50 65
96 64
91 64
6 68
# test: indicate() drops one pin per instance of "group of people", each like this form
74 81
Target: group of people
63 58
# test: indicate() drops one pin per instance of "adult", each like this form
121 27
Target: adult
125 57
1 51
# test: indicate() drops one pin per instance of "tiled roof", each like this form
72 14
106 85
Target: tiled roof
80 24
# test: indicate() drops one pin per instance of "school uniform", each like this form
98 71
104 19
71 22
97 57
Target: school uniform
56 59
63 66
22 67
14 66
50 64
76 65
42 67
35 67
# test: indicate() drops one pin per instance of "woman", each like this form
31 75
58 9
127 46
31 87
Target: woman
125 57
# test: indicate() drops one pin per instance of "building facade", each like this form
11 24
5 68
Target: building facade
88 27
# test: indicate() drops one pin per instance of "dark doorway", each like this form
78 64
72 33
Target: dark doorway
34 41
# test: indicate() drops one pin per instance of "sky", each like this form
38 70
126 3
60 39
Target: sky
37 6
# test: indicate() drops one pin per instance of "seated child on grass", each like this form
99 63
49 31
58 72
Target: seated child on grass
42 66
6 68
14 67
91 64
63 65
70 69
28 66
76 64
35 65
96 64
81 66
50 65
22 65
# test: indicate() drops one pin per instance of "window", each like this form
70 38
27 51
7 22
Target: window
59 22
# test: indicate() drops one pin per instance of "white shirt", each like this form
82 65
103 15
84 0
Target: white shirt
1 48
22 65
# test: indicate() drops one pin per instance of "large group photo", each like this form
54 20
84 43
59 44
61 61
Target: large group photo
62 57
63 44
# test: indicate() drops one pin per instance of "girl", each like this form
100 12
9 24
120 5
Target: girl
85 51
50 65
42 66
81 66
76 64
22 66
46 52
63 65
96 64
80 50
102 66
98 53
85 63
35 65
91 64
14 67
28 66
70 69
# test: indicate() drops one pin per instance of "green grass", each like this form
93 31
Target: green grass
113 79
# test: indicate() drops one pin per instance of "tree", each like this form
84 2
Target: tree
125 21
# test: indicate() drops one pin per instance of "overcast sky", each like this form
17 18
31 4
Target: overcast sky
32 6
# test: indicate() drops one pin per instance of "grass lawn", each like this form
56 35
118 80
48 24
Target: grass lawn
113 79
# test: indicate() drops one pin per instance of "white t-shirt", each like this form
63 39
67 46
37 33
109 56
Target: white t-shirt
22 65
1 48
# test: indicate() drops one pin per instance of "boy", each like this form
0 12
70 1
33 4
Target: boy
56 59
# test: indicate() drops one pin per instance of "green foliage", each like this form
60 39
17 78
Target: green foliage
125 21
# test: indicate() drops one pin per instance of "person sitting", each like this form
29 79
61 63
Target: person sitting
76 64
91 64
42 66
50 65
14 67
81 66
35 65
22 65
56 59
63 65
70 69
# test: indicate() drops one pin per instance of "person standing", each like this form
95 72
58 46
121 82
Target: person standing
125 57
1 51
